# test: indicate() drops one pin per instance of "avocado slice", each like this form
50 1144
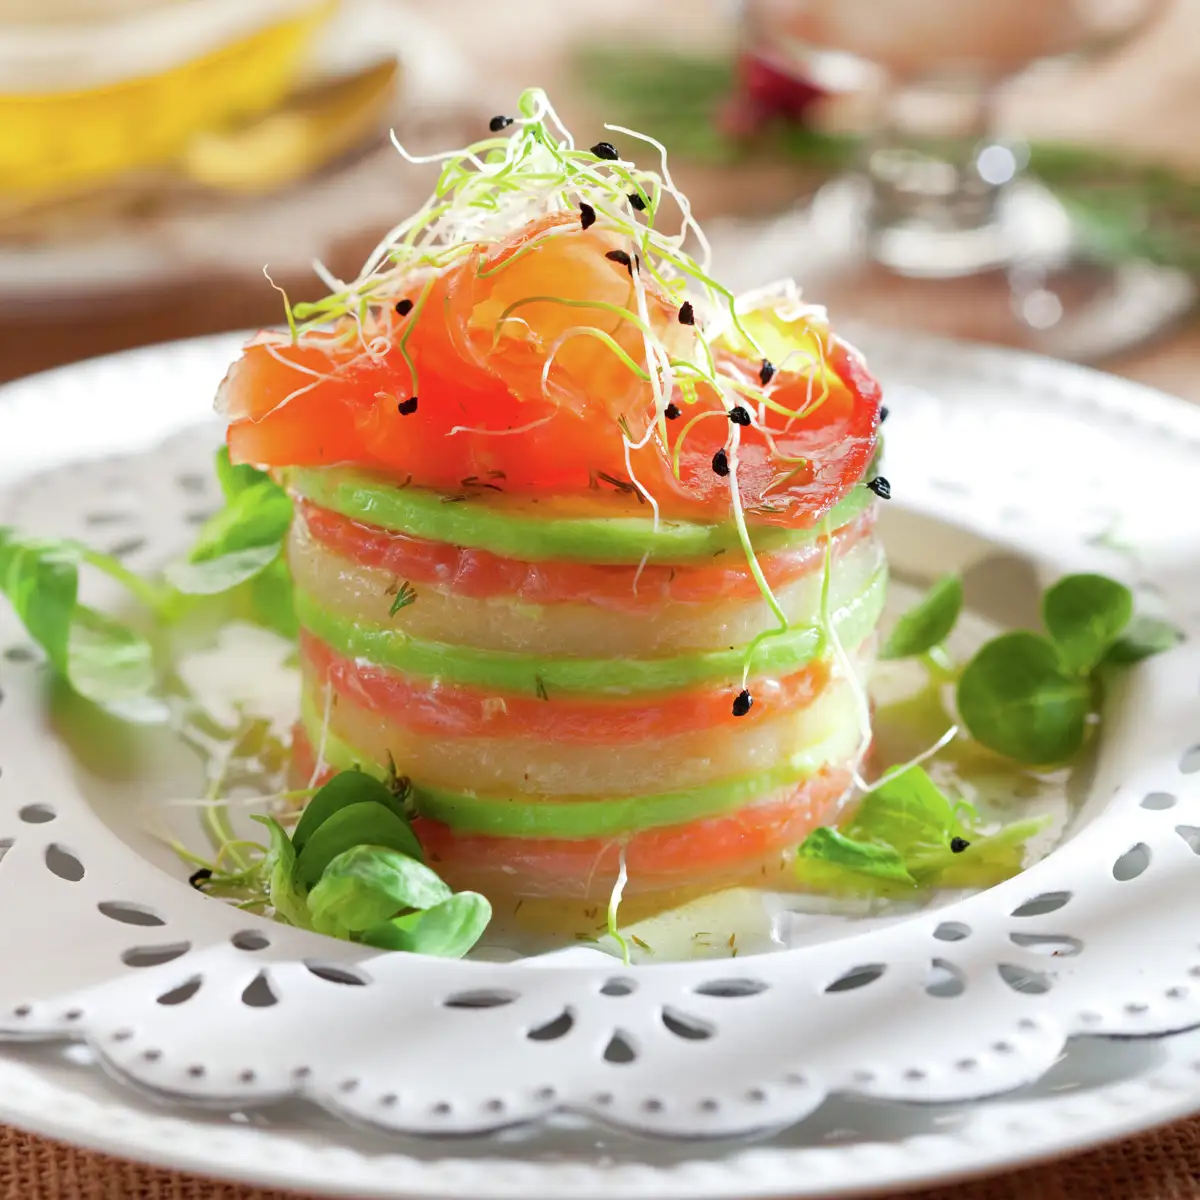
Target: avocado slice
499 671
575 820
519 530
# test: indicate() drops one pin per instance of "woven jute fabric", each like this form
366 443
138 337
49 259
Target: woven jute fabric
1164 1165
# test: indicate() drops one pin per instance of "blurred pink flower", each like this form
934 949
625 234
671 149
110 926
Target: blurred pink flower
766 89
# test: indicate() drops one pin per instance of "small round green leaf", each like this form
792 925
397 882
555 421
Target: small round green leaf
447 930
216 575
928 623
367 885
1015 699
107 662
368 824
1144 637
1084 615
343 790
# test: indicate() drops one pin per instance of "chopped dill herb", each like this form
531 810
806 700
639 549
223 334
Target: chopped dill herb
405 595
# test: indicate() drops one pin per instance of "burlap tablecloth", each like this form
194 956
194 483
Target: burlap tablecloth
1164 1165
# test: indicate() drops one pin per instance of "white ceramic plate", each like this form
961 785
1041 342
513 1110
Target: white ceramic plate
995 459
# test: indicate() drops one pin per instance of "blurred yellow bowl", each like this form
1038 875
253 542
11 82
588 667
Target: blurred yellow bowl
71 137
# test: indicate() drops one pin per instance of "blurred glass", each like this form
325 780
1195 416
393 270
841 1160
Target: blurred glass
939 195
92 89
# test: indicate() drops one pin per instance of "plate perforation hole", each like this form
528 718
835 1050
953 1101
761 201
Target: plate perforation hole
618 987
653 1105
20 654
250 940
952 931
259 992
684 1025
1158 801
338 973
553 1029
183 993
1189 764
1191 837
1022 979
1053 945
731 989
129 914
37 814
127 547
620 1049
61 862
857 977
154 956
1040 905
482 998
1132 863
945 979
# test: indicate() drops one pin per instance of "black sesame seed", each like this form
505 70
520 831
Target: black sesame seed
200 877
958 845
605 150
636 202
720 463
742 703
587 215
883 413
619 256
406 408
766 372
738 415
671 412
687 314
404 307
880 487
498 123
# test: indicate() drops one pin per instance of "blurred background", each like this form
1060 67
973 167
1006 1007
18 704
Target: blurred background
1024 172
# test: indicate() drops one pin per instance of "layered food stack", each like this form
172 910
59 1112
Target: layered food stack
584 547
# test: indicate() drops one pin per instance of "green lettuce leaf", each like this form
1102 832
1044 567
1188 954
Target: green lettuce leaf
907 835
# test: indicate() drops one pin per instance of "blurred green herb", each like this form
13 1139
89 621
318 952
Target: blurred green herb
1125 209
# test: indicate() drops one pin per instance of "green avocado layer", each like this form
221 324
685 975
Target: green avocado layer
499 671
523 533
575 820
